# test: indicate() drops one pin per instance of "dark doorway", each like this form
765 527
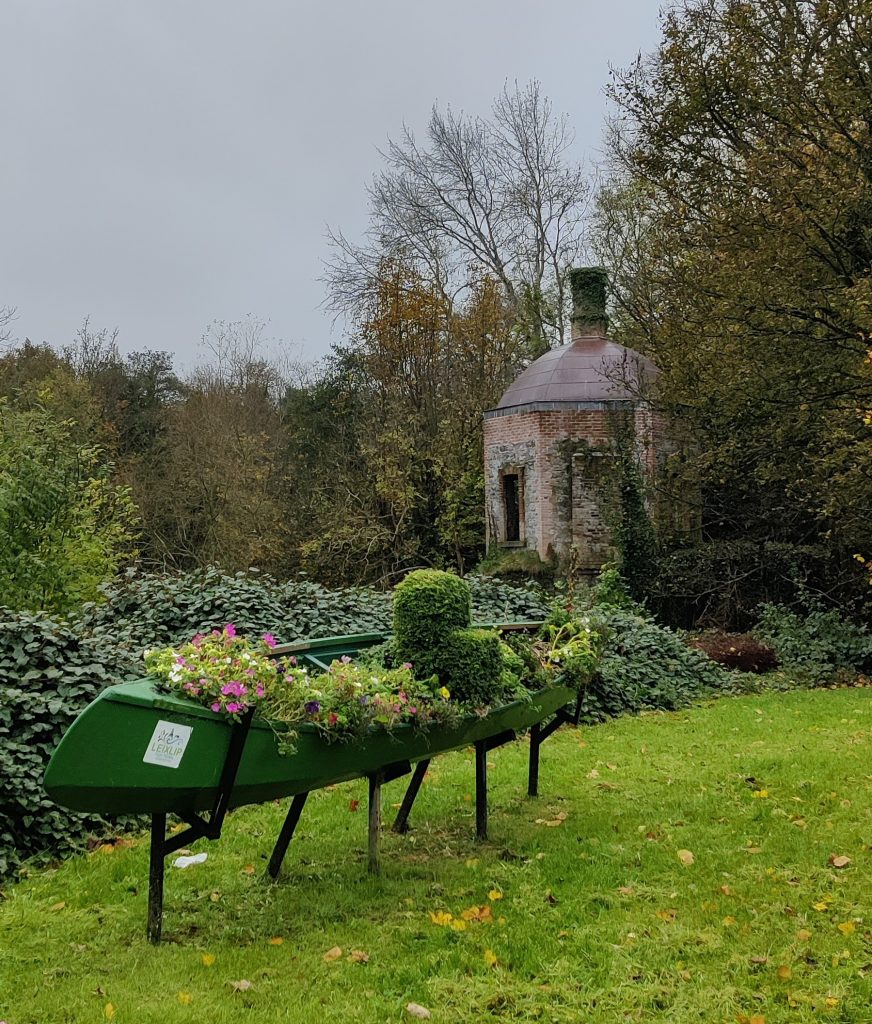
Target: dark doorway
512 505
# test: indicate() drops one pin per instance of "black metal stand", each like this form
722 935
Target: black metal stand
286 834
198 827
401 824
539 733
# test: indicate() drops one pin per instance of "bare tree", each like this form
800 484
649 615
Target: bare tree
499 195
7 315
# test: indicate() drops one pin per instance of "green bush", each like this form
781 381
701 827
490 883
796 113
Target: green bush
820 645
645 666
470 664
428 606
48 673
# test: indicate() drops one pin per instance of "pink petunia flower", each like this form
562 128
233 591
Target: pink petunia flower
216 707
269 639
230 630
233 707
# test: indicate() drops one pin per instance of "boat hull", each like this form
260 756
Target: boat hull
101 764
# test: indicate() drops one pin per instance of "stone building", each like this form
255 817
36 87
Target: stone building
551 445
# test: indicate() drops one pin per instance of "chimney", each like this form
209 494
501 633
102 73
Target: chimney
588 286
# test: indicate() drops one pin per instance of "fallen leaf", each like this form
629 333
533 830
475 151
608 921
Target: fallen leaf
243 985
847 927
821 906
184 998
803 934
667 915
416 1010
357 956
838 861
440 917
626 890
353 805
759 959
784 972
726 890
686 857
276 940
831 1001
490 958
334 953
106 848
58 906
208 959
214 896
593 774
729 921
248 869
753 849
482 913
760 794
109 1011
495 895
458 924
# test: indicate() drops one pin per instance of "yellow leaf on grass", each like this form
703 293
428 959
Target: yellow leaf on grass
357 956
495 895
490 958
58 906
334 953
243 985
248 869
839 862
441 917
803 934
667 915
847 927
760 794
109 1011
184 998
686 857
276 940
726 890
729 921
784 972
831 1001
458 924
208 959
821 906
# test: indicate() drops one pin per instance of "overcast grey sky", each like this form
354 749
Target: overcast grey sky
170 162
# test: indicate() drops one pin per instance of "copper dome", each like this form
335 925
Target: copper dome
590 369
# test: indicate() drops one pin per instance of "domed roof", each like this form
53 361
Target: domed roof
590 369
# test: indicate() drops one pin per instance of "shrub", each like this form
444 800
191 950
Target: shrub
820 644
48 673
428 606
737 651
646 666
470 664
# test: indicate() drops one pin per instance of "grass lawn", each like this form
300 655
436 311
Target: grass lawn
592 909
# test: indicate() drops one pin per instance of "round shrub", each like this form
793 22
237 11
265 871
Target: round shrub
737 650
428 606
470 663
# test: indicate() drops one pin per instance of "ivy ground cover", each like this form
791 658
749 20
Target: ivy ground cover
709 864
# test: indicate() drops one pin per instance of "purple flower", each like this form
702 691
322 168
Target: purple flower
406 664
293 659
259 691
216 707
269 639
233 707
230 630
345 659
198 639
312 707
233 689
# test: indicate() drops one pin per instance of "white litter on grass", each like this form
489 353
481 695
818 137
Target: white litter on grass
186 862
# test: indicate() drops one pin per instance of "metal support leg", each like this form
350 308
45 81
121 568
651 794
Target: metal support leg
375 782
533 773
480 790
156 877
402 821
286 834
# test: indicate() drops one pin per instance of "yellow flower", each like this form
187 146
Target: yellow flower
444 693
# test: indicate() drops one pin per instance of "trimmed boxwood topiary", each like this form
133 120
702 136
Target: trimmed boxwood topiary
428 606
471 664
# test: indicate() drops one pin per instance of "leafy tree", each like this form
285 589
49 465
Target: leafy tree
740 226
64 526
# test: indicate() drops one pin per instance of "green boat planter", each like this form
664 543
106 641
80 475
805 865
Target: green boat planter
137 750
